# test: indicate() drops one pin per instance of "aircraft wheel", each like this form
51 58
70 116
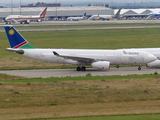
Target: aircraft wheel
78 68
83 68
139 68
117 66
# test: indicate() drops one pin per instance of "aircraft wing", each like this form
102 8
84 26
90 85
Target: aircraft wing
77 58
15 21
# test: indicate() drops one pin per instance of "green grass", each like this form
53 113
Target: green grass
88 39
78 39
77 25
15 79
126 117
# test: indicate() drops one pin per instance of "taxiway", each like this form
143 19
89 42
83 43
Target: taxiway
45 73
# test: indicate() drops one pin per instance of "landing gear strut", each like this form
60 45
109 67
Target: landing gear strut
81 68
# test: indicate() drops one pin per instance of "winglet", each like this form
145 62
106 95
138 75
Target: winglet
15 39
55 53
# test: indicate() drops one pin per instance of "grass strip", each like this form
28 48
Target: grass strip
10 79
116 117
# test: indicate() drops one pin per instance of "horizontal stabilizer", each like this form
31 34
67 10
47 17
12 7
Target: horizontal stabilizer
19 51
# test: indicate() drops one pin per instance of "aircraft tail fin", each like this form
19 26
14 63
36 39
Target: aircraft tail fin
84 15
15 39
118 13
43 13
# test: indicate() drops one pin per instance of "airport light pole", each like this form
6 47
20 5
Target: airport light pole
56 9
11 7
20 7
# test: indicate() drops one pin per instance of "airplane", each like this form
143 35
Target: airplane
105 17
99 59
153 15
77 18
25 19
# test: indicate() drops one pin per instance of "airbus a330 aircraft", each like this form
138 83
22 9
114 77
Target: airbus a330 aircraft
77 18
105 17
25 19
100 59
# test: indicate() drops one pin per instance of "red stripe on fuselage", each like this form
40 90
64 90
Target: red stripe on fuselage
20 45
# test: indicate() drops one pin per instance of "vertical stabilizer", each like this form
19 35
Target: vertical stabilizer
84 15
15 39
43 13
117 15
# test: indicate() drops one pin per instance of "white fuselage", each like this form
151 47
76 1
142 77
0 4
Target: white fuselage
115 57
20 18
103 17
75 18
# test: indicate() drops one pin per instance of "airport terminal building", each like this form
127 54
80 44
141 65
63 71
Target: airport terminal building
61 13
57 12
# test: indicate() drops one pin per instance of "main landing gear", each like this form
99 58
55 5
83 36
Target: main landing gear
81 68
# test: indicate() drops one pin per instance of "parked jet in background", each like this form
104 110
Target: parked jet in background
153 15
77 18
105 17
100 59
25 19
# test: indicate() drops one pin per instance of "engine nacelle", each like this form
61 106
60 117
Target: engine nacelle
156 63
39 20
102 65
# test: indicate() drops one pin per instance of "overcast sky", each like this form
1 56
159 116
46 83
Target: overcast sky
73 1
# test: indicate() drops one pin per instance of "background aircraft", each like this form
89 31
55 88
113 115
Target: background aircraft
100 59
25 19
77 18
105 17
153 15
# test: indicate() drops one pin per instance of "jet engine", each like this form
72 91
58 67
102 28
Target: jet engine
102 65
156 63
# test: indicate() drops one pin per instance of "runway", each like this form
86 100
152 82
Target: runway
45 73
86 22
